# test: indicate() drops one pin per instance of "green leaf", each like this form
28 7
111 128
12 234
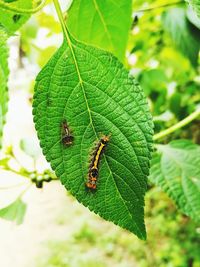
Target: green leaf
4 162
14 212
95 94
12 21
99 23
176 169
184 35
195 5
193 18
3 79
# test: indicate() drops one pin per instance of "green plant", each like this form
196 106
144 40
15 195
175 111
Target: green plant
88 86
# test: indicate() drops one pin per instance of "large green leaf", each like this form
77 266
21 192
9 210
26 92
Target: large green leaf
104 24
176 168
91 89
3 79
11 20
14 212
184 35
196 6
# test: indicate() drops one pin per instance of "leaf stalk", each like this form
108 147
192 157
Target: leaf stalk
160 6
178 125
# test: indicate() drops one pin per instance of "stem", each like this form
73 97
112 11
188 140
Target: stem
177 126
16 172
66 34
161 6
59 13
21 10
62 22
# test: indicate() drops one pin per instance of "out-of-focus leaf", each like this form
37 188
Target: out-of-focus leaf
14 212
176 169
4 162
3 79
175 103
11 20
45 54
193 18
48 21
153 80
104 24
195 5
184 35
30 147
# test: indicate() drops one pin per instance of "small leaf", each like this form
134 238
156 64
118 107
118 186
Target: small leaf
195 5
184 35
95 94
14 212
176 169
99 23
3 80
12 21
4 162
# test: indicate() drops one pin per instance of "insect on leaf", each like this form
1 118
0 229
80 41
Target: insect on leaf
94 93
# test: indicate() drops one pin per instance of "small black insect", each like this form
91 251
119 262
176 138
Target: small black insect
16 18
67 137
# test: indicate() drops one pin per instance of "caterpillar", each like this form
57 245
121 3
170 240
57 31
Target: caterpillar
67 137
93 169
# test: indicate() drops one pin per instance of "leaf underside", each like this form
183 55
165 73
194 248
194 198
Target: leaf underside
196 6
91 90
176 169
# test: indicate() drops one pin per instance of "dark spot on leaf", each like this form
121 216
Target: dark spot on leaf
16 18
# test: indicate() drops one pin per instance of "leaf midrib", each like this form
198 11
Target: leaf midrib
104 24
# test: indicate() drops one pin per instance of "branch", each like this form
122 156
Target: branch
179 125
161 6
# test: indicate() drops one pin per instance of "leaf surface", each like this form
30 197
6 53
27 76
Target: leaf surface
193 18
11 20
94 93
99 23
14 212
3 79
184 35
195 5
176 169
